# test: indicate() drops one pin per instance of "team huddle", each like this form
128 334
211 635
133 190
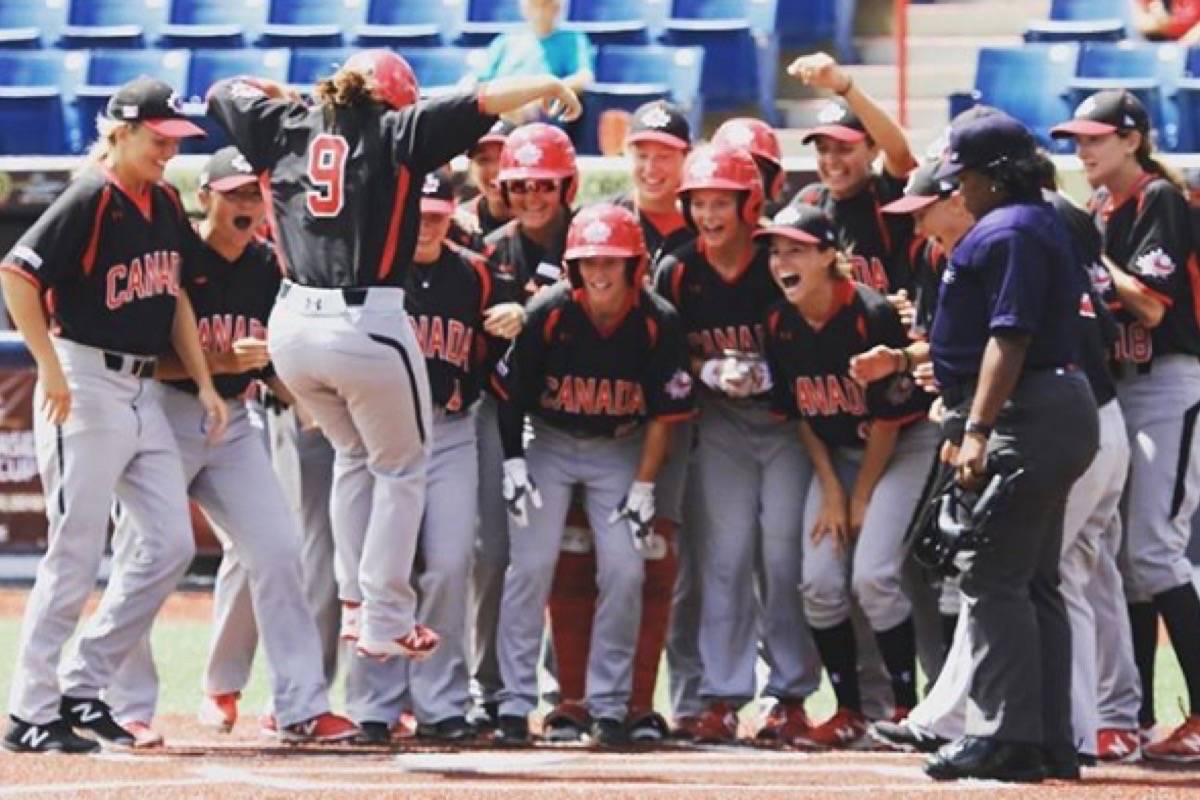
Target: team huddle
523 451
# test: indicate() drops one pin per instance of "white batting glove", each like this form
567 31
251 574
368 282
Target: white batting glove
518 486
637 509
710 373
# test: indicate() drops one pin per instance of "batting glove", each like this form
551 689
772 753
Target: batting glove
637 509
518 486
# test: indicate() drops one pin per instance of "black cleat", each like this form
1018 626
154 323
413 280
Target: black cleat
483 717
511 730
96 717
608 732
905 736
53 737
451 729
987 759
376 734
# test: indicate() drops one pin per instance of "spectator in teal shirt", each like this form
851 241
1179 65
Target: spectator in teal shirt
541 48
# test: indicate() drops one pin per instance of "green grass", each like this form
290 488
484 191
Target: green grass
181 648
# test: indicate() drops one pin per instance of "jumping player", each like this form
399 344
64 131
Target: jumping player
344 180
108 252
1150 257
232 279
871 448
722 286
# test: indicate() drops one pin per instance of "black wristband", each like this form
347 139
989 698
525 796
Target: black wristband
977 428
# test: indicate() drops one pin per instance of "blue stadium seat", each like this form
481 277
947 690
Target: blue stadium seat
1084 30
609 21
108 69
1029 82
209 66
1092 9
1187 100
438 69
311 22
30 23
1162 63
213 23
113 23
485 19
1192 69
34 90
310 64
801 23
413 24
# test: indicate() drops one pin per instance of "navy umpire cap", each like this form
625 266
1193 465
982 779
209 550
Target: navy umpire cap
986 142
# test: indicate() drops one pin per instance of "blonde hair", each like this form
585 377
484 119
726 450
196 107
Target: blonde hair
345 88
106 140
840 266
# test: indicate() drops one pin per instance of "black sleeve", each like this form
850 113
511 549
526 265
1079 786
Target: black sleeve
663 276
52 250
1162 242
895 397
253 121
667 382
427 135
518 377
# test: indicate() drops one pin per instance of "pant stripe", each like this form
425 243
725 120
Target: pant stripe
58 446
412 379
1185 457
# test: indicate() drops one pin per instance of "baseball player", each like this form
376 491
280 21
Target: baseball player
854 130
449 289
1005 336
344 180
722 286
1150 253
601 367
538 181
232 279
105 258
759 139
871 448
486 211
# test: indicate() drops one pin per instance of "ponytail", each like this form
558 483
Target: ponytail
345 88
1148 162
106 141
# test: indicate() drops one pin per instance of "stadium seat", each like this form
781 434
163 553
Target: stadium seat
485 19
113 23
1187 101
34 91
1029 82
1163 64
213 23
108 69
310 64
209 66
802 23
311 22
30 23
438 69
609 21
414 24
1084 30
1092 9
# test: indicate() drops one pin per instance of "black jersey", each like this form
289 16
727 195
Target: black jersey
344 183
445 302
876 243
1148 235
232 301
928 260
665 233
519 264
593 382
108 263
811 367
718 315
473 221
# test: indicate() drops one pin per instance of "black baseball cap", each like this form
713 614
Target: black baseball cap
437 193
1105 112
495 135
985 142
923 189
154 104
839 122
662 122
226 170
802 223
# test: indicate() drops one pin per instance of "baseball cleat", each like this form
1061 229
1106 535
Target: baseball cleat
785 722
1181 747
351 621
608 732
685 728
647 727
219 712
418 644
1118 745
144 737
95 717
322 729
451 729
52 737
717 725
511 730
568 722
906 736
374 734
846 728
987 759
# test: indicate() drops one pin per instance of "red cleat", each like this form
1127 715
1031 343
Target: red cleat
219 712
786 721
418 644
717 725
846 728
322 729
1181 747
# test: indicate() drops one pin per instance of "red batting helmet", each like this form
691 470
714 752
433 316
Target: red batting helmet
716 167
756 136
389 77
605 229
538 150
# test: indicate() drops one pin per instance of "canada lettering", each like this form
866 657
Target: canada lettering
828 395
152 275
448 340
714 342
870 272
594 396
219 331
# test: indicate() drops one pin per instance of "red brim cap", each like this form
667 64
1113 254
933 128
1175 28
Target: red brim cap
788 232
1081 127
231 182
909 203
174 128
597 251
839 132
435 205
659 137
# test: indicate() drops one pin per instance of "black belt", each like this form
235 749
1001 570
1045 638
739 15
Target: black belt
129 365
955 395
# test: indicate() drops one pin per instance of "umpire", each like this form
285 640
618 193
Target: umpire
1004 344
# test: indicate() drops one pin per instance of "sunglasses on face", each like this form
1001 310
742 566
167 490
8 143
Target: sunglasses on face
538 186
